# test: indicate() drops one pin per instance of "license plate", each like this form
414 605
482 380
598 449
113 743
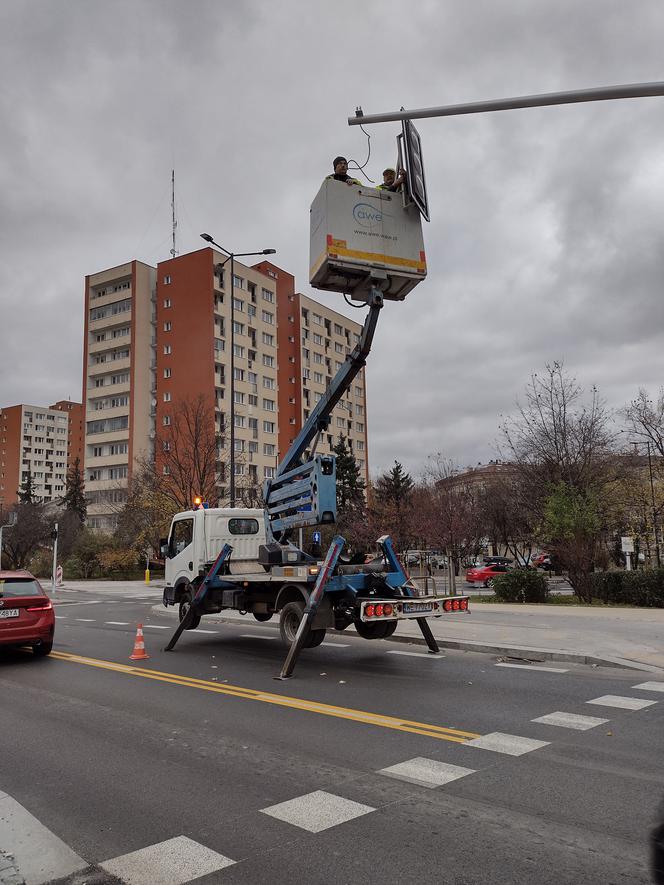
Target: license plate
9 613
410 607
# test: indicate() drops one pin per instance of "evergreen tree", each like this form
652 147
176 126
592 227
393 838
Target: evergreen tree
26 494
74 497
395 487
394 503
350 485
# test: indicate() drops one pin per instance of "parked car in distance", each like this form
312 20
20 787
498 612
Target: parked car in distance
485 574
543 561
497 560
26 613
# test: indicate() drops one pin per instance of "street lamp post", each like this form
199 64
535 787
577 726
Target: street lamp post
654 508
231 256
652 494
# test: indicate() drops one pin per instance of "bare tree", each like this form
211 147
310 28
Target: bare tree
30 530
188 455
562 449
447 513
645 420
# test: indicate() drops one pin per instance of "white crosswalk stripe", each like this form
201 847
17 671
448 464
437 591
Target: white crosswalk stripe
571 720
416 654
317 811
650 686
426 772
39 854
612 700
533 667
175 861
510 744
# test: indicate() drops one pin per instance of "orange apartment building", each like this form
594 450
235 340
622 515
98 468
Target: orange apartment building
33 439
76 436
118 380
156 337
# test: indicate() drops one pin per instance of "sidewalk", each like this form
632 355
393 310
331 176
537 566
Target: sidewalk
619 637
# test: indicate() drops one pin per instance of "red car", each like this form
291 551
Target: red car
26 613
484 574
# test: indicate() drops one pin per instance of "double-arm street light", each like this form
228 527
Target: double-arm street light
231 256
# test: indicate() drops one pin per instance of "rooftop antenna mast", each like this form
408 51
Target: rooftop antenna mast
175 224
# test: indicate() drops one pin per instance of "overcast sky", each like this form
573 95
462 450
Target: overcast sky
546 230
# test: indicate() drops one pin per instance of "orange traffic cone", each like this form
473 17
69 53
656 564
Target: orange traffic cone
139 653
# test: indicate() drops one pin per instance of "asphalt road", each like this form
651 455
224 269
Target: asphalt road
286 782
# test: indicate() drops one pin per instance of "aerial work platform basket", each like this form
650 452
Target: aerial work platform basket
361 238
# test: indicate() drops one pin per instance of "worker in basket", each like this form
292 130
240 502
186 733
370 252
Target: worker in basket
392 181
340 166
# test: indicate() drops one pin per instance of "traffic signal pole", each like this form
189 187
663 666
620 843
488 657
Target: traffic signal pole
602 93
54 535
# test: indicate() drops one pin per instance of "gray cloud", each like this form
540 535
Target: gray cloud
545 240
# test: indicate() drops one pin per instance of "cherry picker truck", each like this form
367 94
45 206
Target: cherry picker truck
366 242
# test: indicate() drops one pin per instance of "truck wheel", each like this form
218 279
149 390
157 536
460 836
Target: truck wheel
290 617
185 605
376 630
391 627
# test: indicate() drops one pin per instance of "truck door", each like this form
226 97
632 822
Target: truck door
181 550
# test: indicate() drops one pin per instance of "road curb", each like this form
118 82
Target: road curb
527 653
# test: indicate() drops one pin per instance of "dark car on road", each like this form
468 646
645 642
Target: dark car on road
26 613
497 560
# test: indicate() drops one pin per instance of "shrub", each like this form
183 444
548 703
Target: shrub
41 564
644 587
113 562
521 585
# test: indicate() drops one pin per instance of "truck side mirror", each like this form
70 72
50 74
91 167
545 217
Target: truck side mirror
163 547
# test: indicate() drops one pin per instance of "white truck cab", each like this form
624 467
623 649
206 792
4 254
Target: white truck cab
196 537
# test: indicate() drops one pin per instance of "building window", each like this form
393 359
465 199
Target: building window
238 304
238 328
238 282
167 349
269 405
167 373
167 396
166 421
167 282
268 361
267 317
268 472
167 327
269 383
268 426
268 339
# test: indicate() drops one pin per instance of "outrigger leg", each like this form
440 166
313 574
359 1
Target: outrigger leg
312 607
428 635
196 607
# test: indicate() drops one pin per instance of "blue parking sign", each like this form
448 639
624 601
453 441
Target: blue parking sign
316 537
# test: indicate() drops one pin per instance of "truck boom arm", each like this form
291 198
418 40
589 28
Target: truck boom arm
300 511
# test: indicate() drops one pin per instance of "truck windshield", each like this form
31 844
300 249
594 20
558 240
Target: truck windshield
182 534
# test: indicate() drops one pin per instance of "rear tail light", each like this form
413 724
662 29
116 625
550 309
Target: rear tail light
379 610
464 605
387 609
44 607
369 611
455 605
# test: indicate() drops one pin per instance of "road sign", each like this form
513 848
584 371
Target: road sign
627 545
415 183
316 537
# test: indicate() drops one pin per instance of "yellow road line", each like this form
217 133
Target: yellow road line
439 732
